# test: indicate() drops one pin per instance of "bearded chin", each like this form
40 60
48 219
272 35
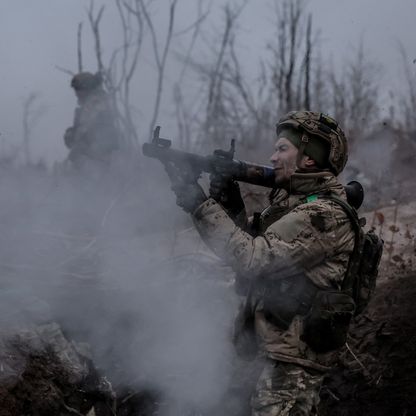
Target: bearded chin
282 177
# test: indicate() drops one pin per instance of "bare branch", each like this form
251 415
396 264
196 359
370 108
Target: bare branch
152 32
79 47
160 59
139 41
95 22
196 26
239 84
128 70
287 49
216 75
64 70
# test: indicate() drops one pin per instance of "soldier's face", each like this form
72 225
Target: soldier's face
284 161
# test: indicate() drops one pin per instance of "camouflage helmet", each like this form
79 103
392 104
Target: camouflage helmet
323 127
86 81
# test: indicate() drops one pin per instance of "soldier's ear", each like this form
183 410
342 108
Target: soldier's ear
309 162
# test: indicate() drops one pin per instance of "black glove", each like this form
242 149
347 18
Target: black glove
69 137
189 194
226 191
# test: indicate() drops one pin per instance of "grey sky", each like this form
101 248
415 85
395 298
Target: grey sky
38 35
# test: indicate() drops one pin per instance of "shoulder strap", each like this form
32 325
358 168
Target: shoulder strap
354 262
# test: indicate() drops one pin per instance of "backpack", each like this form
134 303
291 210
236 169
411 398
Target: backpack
361 276
327 322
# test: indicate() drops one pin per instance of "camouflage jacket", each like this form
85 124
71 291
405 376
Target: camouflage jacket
94 133
296 236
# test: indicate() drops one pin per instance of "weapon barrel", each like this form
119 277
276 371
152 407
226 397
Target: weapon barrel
256 174
240 170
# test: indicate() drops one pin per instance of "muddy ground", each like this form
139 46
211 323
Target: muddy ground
377 374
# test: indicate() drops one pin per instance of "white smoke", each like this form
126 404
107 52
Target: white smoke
103 257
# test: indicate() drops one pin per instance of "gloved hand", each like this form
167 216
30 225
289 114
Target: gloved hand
226 191
69 137
189 194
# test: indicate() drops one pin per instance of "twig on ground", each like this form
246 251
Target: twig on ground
332 394
366 372
71 409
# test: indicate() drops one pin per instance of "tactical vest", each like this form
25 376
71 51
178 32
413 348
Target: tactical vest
327 312
283 298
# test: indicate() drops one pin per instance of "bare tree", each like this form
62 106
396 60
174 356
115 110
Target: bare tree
407 99
216 74
285 52
134 17
228 103
222 108
230 106
355 98
339 101
185 118
131 48
118 73
196 30
362 82
160 54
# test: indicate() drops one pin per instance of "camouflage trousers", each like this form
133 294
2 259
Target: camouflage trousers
285 389
266 387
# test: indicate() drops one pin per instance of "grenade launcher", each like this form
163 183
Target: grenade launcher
223 161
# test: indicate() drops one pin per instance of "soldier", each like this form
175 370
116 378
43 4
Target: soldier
93 136
290 260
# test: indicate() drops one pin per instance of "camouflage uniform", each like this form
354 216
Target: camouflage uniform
93 135
293 263
286 389
312 240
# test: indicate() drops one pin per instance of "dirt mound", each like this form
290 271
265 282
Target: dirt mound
44 374
377 372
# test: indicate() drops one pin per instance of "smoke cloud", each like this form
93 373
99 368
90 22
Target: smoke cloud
94 254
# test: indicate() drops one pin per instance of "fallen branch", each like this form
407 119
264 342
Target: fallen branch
365 371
